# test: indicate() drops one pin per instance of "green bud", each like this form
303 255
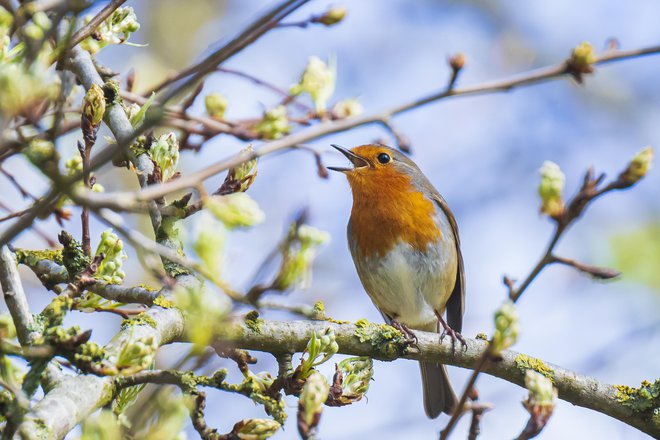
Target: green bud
297 261
40 152
74 165
347 108
7 328
312 237
244 174
210 242
322 346
313 396
638 166
235 210
165 153
103 426
334 15
37 28
318 81
116 29
260 382
582 58
216 104
274 123
114 256
255 429
357 372
6 21
205 313
541 390
25 89
506 328
93 107
550 189
173 410
132 110
136 113
136 355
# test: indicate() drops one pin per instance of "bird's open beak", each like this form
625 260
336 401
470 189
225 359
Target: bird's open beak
357 161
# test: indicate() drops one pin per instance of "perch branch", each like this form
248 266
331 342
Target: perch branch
77 397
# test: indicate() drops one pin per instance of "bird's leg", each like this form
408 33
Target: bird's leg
411 338
453 334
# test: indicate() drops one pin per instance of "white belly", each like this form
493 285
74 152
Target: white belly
409 285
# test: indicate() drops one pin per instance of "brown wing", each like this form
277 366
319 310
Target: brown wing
456 304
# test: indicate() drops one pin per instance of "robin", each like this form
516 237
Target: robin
405 246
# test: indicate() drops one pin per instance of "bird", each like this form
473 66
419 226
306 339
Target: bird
405 246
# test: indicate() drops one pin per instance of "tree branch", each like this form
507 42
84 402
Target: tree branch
90 27
114 200
290 337
75 398
15 297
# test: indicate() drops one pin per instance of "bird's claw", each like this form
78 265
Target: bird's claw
454 335
410 337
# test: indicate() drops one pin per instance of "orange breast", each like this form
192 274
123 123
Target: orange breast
387 209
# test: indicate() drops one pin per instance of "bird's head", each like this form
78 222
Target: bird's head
373 165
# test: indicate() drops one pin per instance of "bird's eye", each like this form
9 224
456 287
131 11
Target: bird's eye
384 158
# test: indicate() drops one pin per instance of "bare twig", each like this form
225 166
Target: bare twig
600 273
478 411
115 116
280 91
24 192
94 23
262 25
143 242
335 126
589 191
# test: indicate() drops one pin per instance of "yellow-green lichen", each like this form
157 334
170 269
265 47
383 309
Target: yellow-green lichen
54 313
318 311
481 336
163 302
253 322
389 342
524 363
174 269
336 321
274 407
31 258
141 319
644 398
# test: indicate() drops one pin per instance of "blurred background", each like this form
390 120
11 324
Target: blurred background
482 153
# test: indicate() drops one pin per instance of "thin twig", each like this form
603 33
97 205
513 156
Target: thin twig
141 241
280 91
262 25
94 23
88 75
589 191
335 126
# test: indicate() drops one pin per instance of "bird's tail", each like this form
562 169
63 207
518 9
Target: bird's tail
438 393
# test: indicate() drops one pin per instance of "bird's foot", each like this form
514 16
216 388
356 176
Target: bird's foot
453 334
411 338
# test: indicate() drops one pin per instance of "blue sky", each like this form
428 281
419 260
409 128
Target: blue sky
483 154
